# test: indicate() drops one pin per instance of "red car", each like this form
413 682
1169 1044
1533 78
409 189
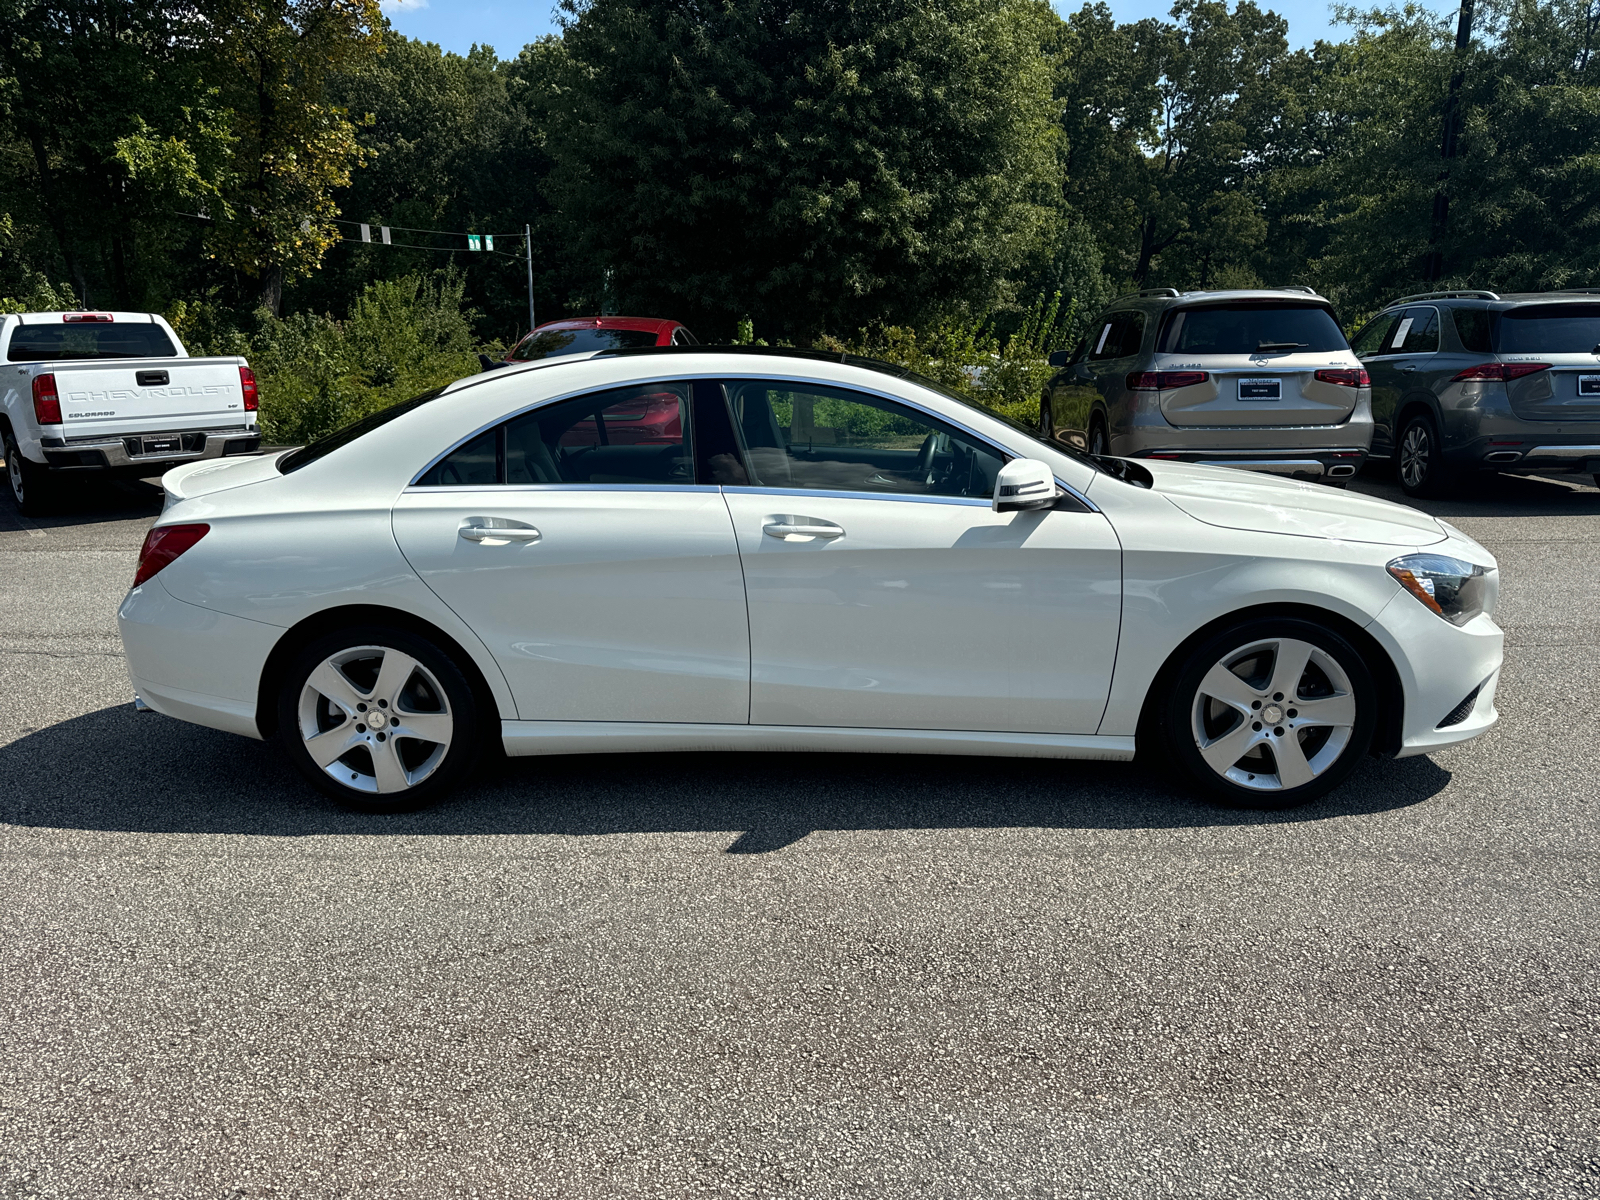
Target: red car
579 335
644 418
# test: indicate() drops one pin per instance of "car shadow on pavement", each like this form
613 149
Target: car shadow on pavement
118 771
90 501
1493 495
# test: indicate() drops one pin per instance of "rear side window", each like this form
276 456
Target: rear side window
64 342
1549 329
1417 332
1249 328
631 435
1117 336
549 343
1472 327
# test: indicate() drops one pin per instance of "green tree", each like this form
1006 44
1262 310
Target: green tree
812 166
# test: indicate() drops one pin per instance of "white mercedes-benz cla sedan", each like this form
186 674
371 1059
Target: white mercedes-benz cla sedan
693 549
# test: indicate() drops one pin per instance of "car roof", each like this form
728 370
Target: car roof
648 324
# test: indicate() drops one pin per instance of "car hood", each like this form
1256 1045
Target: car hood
1233 499
216 475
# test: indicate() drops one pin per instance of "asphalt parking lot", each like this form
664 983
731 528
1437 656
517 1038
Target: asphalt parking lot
806 976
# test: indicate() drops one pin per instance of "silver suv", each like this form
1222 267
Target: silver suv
1261 379
1469 381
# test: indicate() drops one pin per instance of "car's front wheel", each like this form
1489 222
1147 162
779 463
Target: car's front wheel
1271 713
379 718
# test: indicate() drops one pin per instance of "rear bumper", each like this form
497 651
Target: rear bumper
1332 463
1548 454
125 453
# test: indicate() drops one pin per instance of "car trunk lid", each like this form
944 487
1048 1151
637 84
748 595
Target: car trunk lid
1259 389
149 395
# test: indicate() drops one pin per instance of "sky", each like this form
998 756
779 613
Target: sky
457 24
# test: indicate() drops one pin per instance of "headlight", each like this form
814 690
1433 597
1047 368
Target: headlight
1455 589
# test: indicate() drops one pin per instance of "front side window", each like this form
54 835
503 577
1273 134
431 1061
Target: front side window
552 343
631 435
1261 327
807 436
1375 335
1550 329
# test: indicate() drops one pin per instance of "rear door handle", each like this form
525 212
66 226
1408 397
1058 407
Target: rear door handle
484 531
801 528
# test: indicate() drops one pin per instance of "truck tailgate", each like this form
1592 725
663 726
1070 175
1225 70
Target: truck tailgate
149 395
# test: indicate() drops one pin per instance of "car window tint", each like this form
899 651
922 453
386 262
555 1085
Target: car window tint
1472 327
1132 333
1116 336
551 343
807 436
1374 336
476 464
1245 328
64 342
1416 333
1572 328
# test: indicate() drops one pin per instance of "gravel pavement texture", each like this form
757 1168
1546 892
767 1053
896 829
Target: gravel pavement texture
793 975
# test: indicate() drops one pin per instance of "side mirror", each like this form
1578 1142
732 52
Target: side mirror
1024 484
1059 359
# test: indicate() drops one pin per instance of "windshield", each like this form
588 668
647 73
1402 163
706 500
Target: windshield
1249 328
1550 329
308 454
61 343
547 343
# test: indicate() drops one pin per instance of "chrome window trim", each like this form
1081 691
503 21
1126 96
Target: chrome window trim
502 488
720 376
830 494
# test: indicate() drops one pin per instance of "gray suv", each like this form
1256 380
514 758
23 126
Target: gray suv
1261 379
1469 381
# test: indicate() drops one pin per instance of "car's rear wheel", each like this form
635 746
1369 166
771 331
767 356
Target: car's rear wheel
379 718
29 483
1271 713
1421 457
1099 442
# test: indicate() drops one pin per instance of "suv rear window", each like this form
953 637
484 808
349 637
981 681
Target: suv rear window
1549 329
1245 328
64 342
551 342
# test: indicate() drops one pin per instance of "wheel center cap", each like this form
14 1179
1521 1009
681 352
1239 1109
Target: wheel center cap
1272 714
376 720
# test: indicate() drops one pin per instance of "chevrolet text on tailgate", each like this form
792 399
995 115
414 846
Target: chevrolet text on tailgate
112 393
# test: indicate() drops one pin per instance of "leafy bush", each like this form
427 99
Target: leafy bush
969 357
401 337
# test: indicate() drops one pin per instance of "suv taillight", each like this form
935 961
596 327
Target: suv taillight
1355 377
1160 381
46 403
247 384
162 546
1498 372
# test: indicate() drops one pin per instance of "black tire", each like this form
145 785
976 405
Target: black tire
29 485
1419 457
1099 440
1335 680
427 768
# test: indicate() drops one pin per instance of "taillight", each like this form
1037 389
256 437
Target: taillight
76 318
1355 377
1498 372
1159 381
46 403
247 384
163 545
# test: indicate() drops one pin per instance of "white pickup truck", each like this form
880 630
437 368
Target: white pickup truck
97 393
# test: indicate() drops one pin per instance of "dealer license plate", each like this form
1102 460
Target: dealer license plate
163 445
1589 385
1261 389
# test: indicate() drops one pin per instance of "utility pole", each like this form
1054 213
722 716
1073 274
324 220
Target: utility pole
1433 261
527 240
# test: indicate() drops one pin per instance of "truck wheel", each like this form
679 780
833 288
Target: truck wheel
29 483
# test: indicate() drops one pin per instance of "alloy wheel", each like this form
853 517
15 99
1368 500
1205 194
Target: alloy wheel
1416 450
1274 714
376 720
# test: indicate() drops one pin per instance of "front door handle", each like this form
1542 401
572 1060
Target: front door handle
1407 369
486 533
800 528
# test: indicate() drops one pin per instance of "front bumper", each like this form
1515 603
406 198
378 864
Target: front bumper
1440 665
125 452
